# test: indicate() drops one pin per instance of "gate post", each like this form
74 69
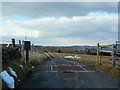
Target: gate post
97 60
113 55
20 45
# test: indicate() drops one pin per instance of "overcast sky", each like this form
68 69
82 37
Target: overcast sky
60 23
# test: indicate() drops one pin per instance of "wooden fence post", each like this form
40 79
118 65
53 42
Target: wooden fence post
22 50
13 42
20 45
100 61
32 48
113 55
97 60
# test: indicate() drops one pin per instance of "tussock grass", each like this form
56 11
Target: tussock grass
37 58
105 67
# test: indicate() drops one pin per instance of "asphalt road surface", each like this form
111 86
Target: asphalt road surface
63 73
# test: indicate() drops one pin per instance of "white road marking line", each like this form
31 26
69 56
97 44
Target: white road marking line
71 72
86 71
51 54
50 71
83 68
65 65
47 55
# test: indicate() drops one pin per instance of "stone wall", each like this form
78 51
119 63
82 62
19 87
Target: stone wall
9 54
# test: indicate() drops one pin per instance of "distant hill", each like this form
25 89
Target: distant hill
88 47
81 47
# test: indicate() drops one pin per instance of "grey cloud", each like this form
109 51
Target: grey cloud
88 29
44 9
91 31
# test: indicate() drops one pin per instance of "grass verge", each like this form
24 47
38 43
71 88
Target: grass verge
21 72
35 59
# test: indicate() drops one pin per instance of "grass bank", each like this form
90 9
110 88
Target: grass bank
23 72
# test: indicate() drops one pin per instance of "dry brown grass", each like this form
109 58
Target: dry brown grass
37 58
105 59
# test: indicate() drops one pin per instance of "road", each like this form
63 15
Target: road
63 73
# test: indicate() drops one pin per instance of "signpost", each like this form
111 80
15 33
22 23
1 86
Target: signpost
27 47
